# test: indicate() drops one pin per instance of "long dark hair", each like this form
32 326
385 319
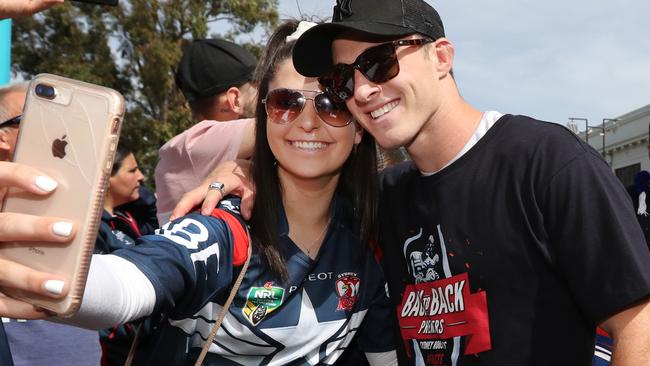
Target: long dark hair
357 183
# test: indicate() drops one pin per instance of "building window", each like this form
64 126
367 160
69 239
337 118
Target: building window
626 174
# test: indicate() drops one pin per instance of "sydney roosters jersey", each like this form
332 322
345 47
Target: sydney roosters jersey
307 320
513 253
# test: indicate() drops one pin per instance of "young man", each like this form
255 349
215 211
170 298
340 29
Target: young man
506 240
215 77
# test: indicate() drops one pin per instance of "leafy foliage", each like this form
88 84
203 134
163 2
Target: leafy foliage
133 48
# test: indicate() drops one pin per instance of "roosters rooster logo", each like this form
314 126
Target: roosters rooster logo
347 288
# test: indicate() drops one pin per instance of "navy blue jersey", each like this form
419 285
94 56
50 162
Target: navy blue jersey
115 232
309 319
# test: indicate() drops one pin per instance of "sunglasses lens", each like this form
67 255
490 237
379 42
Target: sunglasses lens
334 114
283 105
379 64
339 82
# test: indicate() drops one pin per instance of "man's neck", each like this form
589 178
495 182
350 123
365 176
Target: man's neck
216 116
444 136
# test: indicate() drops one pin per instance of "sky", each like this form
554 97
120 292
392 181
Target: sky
550 60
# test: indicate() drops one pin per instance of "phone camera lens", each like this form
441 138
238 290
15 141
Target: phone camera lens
45 91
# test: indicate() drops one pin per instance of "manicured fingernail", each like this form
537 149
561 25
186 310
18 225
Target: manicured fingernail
53 286
45 184
62 228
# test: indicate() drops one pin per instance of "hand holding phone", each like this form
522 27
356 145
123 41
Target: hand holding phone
20 228
69 131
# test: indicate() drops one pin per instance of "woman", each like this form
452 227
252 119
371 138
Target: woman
312 283
118 227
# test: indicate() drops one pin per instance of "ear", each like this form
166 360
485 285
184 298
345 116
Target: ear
445 51
233 96
5 143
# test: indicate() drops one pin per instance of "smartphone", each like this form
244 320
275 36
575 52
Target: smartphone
69 131
99 2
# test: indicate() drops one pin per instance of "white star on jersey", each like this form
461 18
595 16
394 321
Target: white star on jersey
302 340
313 334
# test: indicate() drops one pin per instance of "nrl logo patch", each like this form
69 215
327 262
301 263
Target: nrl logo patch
347 288
262 301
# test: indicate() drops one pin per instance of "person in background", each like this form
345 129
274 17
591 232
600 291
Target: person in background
120 228
143 210
12 100
57 344
215 77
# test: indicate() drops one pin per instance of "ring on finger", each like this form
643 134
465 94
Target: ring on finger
218 185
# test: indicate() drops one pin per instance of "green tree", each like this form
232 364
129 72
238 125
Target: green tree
67 41
133 48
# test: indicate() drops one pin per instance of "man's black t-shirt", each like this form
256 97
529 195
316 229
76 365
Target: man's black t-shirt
513 253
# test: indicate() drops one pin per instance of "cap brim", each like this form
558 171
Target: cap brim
312 53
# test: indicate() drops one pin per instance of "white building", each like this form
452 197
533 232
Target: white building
626 141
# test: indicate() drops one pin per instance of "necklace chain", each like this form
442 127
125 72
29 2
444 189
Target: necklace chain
319 238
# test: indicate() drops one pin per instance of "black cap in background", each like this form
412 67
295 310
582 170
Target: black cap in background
211 66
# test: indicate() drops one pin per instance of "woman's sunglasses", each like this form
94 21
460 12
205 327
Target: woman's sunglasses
378 64
285 105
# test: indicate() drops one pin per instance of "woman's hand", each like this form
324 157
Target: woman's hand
15 227
21 8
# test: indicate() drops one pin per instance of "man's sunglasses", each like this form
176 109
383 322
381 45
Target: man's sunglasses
378 64
285 105
12 121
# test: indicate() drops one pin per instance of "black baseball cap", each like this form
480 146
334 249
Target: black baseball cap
312 54
211 66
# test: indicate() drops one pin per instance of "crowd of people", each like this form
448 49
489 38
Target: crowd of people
471 253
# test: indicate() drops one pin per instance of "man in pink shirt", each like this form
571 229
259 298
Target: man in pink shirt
215 77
